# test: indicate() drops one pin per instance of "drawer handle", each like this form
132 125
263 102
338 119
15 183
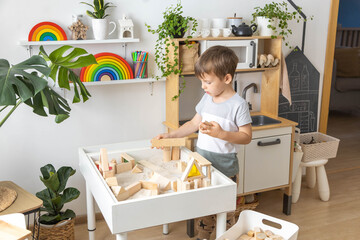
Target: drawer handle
263 144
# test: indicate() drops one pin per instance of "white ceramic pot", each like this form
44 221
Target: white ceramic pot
100 28
262 23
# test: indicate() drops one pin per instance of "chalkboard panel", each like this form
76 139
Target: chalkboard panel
304 86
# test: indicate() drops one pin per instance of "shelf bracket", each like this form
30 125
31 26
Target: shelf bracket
123 50
151 86
29 49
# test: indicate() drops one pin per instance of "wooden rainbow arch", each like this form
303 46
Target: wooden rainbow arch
47 31
110 67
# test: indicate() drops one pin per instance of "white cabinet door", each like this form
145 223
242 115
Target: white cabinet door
267 162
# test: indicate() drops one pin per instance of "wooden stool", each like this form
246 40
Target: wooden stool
315 170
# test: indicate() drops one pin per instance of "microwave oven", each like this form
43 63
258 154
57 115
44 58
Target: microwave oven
245 50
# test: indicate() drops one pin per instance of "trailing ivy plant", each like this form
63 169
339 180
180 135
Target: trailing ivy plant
32 82
173 26
279 11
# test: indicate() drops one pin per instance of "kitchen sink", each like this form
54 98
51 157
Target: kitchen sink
261 120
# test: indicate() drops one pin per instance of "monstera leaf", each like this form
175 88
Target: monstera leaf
11 85
62 64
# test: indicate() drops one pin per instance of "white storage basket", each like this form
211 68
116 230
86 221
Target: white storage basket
325 147
249 219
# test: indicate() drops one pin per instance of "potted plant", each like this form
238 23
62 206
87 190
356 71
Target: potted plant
27 82
56 223
99 21
273 20
173 26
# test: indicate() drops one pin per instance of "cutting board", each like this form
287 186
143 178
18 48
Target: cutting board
12 232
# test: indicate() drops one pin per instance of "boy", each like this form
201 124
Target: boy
222 118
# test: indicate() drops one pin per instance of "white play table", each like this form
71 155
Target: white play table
133 214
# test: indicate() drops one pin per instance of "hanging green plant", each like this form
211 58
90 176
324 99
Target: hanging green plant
174 26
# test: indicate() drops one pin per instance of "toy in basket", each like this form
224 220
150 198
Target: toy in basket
251 223
316 145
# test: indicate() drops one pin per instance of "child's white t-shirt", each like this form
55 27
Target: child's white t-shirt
230 115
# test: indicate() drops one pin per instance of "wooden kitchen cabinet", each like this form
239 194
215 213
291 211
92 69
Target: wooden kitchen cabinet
265 162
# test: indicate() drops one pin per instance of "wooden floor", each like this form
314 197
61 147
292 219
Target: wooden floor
339 218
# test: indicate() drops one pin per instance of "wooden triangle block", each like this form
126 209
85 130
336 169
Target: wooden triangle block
192 171
137 169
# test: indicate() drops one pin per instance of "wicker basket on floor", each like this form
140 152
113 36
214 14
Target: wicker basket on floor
245 206
63 230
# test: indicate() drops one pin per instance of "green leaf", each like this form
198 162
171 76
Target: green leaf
64 173
47 170
69 195
9 81
52 182
68 214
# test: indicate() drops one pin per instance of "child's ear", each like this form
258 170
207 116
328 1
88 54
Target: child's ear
228 78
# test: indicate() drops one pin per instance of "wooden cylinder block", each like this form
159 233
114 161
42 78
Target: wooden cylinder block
167 154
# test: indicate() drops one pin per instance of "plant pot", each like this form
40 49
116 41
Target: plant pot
60 231
100 28
263 23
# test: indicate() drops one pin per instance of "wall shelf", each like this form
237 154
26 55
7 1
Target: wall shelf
126 81
123 41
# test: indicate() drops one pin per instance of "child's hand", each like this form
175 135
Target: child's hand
212 128
161 136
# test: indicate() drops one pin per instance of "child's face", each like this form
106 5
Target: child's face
213 85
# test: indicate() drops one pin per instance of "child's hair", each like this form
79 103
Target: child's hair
218 60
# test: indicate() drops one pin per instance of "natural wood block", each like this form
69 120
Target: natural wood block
164 183
133 188
149 185
111 181
154 192
123 167
137 169
260 236
179 185
197 183
174 186
123 196
168 142
200 159
181 166
117 190
186 186
110 173
206 182
251 233
127 157
175 153
244 237
104 163
167 154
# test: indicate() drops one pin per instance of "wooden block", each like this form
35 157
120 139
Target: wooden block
173 186
197 183
133 188
123 167
185 186
168 142
185 176
244 237
181 166
154 192
164 183
110 173
258 229
104 163
10 231
149 185
123 196
117 190
175 153
111 181
112 165
167 154
127 157
206 182
251 233
137 169
200 159
113 161
268 233
179 185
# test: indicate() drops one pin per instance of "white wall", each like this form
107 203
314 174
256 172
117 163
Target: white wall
118 112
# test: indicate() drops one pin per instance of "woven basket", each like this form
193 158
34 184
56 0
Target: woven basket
63 230
325 148
246 206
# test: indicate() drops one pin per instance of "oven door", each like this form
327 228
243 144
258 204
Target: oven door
245 50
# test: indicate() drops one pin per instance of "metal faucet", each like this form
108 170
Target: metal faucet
245 90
